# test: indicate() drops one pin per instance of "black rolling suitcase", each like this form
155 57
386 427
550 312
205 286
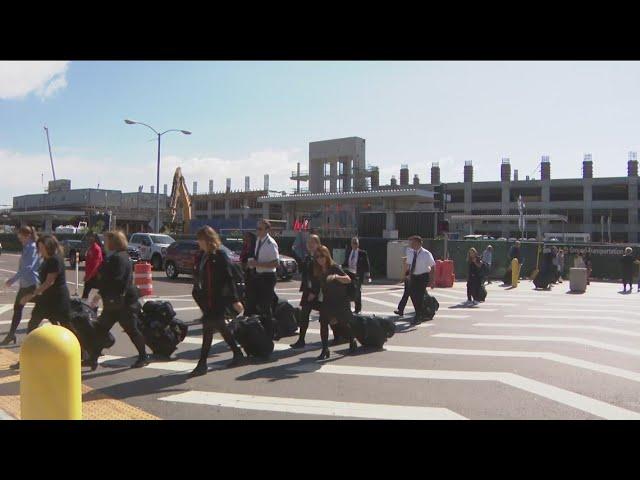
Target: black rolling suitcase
285 317
162 332
429 306
507 277
82 322
372 331
251 336
542 280
482 293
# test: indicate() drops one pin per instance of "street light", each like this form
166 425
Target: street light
185 132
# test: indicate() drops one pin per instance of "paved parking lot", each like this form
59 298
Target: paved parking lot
523 354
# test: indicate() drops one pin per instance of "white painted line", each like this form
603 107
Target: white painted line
589 310
174 366
627 333
5 308
553 357
565 397
314 406
184 309
543 338
379 302
574 317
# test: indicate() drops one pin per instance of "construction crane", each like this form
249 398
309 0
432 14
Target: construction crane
179 192
50 155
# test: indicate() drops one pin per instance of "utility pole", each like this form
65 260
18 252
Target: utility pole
50 155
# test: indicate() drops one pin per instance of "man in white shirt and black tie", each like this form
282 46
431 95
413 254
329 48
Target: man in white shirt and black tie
265 262
357 267
419 265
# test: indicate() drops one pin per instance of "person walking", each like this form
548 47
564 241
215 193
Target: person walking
560 263
310 288
26 276
265 262
94 259
589 266
628 261
120 299
405 293
214 290
357 267
474 276
334 301
487 259
421 262
52 298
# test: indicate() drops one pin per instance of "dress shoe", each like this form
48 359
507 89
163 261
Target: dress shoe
201 369
299 344
399 313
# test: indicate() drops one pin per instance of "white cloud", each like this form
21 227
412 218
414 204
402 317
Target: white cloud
21 173
19 79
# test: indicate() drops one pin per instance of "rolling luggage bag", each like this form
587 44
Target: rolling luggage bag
285 319
506 279
82 323
482 294
542 280
162 332
429 306
251 336
372 331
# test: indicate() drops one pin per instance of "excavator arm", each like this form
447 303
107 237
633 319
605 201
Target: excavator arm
179 192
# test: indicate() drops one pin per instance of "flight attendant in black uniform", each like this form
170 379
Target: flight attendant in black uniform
310 288
214 290
119 297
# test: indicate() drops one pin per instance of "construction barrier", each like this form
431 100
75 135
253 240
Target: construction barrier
445 273
143 278
515 272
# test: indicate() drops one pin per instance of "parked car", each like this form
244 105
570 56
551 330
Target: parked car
180 257
153 247
71 247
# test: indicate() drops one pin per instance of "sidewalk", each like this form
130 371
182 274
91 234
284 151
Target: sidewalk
5 416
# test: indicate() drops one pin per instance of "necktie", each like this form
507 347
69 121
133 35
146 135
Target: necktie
413 262
353 256
260 243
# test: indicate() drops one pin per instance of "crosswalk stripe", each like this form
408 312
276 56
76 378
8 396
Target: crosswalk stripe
627 333
560 395
560 309
314 406
542 338
574 317
5 308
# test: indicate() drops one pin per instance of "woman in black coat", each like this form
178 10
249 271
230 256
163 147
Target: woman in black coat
214 290
310 288
120 299
474 276
335 306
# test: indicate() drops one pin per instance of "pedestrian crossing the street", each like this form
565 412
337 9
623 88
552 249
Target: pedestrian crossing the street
521 354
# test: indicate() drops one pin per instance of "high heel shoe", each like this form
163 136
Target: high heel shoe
8 339
324 354
201 369
91 362
142 361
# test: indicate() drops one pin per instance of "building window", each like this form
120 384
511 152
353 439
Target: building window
566 194
493 195
610 192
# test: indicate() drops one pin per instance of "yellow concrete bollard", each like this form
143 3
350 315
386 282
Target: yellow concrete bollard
515 272
50 375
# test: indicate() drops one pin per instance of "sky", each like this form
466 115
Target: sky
253 118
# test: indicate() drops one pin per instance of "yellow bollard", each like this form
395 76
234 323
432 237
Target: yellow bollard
515 272
50 375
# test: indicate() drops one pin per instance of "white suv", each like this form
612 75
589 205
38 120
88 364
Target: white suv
152 246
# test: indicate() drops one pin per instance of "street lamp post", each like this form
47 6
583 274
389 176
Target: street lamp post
185 132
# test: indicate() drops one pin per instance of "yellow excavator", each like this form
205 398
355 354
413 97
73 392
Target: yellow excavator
180 196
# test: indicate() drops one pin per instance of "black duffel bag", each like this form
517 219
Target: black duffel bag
82 322
429 306
250 334
285 316
162 332
371 331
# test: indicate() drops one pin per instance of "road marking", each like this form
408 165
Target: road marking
542 338
184 309
5 308
577 310
574 317
627 333
314 406
560 395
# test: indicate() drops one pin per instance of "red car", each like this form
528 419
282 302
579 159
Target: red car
181 256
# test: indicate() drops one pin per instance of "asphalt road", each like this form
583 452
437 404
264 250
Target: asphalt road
523 354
